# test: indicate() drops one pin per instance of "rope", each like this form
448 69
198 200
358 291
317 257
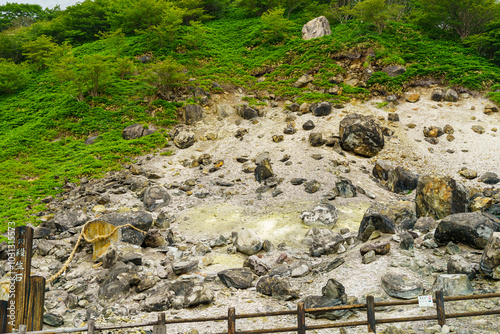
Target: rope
83 234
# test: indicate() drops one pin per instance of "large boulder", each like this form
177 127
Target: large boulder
401 286
472 229
361 135
137 130
439 196
401 180
65 219
333 294
184 139
315 28
155 197
193 113
139 219
323 215
453 285
376 217
490 261
276 287
239 278
322 109
248 241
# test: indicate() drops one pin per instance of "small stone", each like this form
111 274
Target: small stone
312 186
369 257
468 173
309 125
478 129
277 138
452 248
489 178
413 98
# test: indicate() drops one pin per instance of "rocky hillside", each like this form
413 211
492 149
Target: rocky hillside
260 206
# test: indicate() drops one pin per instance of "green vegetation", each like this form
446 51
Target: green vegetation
67 75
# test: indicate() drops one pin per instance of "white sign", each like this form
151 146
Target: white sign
424 301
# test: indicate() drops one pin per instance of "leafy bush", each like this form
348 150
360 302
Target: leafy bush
13 77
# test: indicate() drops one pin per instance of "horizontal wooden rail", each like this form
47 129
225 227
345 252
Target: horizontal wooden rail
300 312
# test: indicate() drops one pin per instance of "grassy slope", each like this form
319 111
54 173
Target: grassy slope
42 129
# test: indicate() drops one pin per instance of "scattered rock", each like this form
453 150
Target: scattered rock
394 70
312 186
276 287
258 266
369 257
401 286
315 28
184 139
458 265
468 173
380 247
489 178
451 96
309 125
437 94
316 139
381 169
361 135
263 170
322 109
345 188
239 278
478 129
137 130
439 196
248 241
490 108
472 229
303 81
490 260
412 98
155 197
453 285
402 180
321 215
193 113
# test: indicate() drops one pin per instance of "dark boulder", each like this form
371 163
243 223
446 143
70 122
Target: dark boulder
139 219
490 261
276 287
375 218
193 113
401 180
400 286
472 229
322 109
361 135
239 278
345 188
155 197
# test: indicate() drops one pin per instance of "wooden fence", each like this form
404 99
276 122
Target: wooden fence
160 326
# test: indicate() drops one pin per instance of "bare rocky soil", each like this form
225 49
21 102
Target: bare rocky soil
226 199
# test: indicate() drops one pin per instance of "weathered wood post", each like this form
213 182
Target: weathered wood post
441 315
231 321
3 315
301 318
161 328
370 312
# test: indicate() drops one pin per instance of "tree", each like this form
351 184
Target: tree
114 38
463 17
274 21
195 34
340 10
255 7
165 31
13 77
19 15
165 76
42 51
376 12
135 15
487 43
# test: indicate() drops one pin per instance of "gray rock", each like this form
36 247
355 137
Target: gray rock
472 229
258 266
158 301
263 170
453 285
185 267
321 215
451 96
276 287
489 178
369 257
248 113
425 224
316 139
490 260
66 219
437 94
401 286
52 319
328 244
248 241
361 135
297 181
239 278
309 125
345 188
316 233
137 130
401 180
315 28
113 292
406 242
381 169
193 113
322 109
224 110
379 247
375 219
155 197
153 239
184 139
333 294
394 70
458 265
303 81
312 186
198 295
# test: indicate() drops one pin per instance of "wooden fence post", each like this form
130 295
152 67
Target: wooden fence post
21 272
91 326
161 328
301 318
3 316
441 315
36 297
231 321
370 313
